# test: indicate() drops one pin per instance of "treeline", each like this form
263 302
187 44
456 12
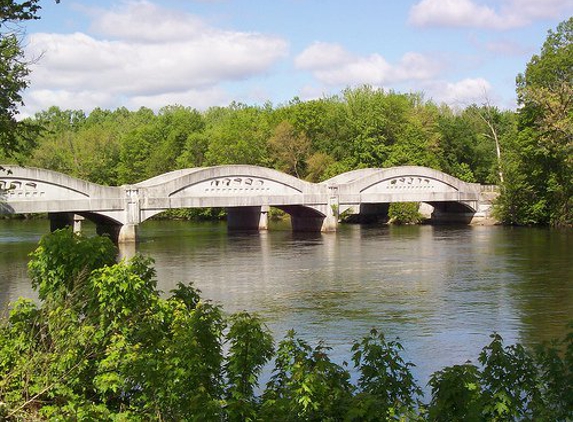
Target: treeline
102 344
314 140
528 152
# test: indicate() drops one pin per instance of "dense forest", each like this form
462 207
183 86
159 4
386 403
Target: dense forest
527 152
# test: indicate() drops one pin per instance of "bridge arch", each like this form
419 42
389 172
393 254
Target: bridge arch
34 190
362 189
244 190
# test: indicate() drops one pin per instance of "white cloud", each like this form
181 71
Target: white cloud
474 14
311 92
146 52
538 9
198 98
41 99
332 65
461 93
456 13
138 21
322 55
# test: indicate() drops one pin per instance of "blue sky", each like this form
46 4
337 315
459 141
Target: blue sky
203 53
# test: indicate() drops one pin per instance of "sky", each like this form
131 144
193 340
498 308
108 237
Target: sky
203 53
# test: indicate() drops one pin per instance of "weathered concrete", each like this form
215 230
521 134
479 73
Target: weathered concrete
246 191
264 218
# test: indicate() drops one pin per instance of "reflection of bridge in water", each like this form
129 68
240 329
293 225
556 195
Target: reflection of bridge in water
245 191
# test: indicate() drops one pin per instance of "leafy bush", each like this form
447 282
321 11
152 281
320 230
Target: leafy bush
404 213
103 345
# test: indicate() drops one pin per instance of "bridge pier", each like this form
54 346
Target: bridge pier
306 223
61 220
264 219
451 213
310 219
118 233
244 218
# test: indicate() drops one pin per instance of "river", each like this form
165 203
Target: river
441 290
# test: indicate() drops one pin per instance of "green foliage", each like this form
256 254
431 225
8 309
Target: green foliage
306 384
289 148
15 136
404 213
387 388
456 394
103 344
238 135
544 148
250 348
64 259
555 365
512 384
509 389
194 214
314 140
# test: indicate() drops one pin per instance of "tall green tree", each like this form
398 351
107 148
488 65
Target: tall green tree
539 187
14 71
289 148
237 134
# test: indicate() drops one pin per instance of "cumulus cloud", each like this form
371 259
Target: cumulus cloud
197 98
332 65
475 14
456 13
134 21
463 92
143 51
41 99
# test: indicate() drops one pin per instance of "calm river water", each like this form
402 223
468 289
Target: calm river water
441 290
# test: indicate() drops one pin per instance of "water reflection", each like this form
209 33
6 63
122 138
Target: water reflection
442 290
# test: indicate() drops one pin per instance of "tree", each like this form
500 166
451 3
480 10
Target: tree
238 135
289 148
13 73
176 125
544 148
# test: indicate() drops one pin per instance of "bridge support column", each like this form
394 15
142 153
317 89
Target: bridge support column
329 224
306 223
452 213
332 210
322 218
451 217
61 220
243 218
126 233
264 218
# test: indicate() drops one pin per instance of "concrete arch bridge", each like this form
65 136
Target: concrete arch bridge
245 191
